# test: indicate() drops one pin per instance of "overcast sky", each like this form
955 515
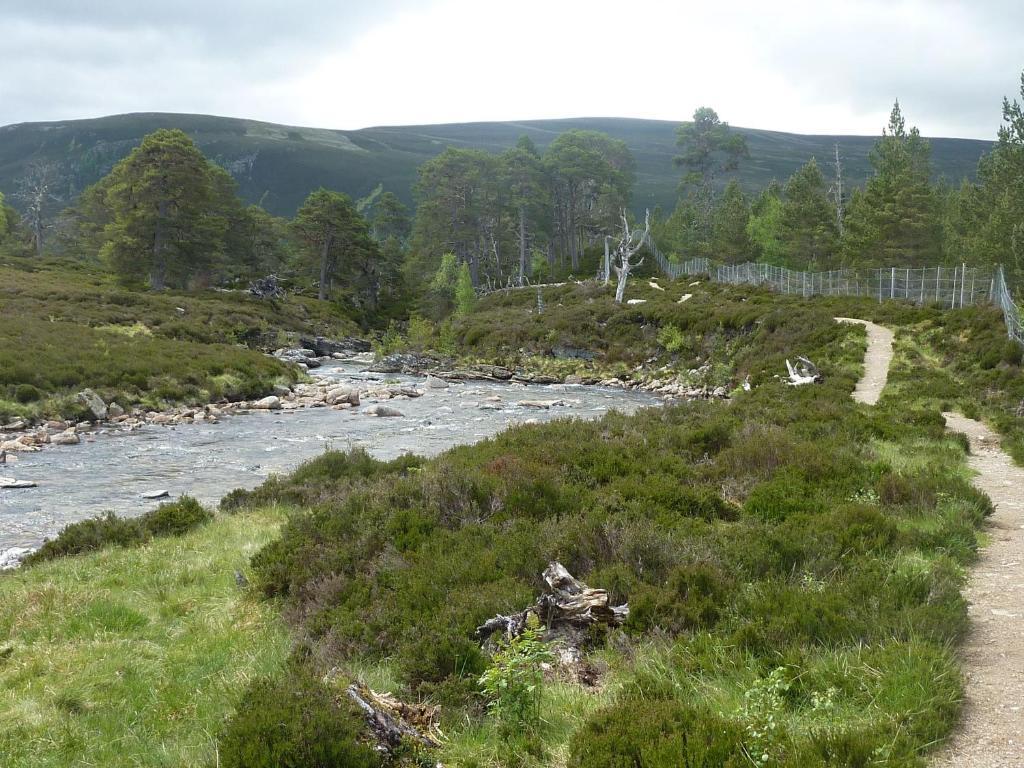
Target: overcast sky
809 66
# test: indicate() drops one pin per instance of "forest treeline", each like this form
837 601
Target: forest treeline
167 217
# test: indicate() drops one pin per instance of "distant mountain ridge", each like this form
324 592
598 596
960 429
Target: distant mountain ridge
278 165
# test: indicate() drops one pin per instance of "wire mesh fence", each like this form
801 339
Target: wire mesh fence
952 287
1002 298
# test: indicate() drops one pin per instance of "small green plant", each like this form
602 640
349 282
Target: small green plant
390 342
514 683
465 294
762 713
671 338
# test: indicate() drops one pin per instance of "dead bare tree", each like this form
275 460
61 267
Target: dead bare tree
37 191
629 245
837 193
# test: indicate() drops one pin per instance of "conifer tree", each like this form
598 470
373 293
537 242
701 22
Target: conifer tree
808 219
729 239
895 219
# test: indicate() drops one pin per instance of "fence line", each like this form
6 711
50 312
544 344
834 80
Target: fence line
1011 313
949 287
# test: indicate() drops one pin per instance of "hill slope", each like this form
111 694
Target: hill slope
279 164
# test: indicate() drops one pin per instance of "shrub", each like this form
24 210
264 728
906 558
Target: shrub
89 535
175 518
109 530
26 393
658 733
294 722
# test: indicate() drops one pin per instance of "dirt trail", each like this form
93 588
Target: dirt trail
991 730
876 361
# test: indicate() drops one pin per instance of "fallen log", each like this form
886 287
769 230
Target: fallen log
393 722
804 372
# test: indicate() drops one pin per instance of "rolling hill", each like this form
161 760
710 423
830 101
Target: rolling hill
278 165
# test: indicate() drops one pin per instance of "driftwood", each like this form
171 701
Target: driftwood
569 604
266 288
393 722
804 372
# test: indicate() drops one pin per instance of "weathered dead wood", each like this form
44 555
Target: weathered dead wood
393 722
804 372
569 604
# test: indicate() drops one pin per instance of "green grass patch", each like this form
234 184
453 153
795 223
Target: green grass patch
130 657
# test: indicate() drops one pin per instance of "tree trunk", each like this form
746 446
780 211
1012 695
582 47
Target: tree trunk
158 273
620 289
522 244
325 252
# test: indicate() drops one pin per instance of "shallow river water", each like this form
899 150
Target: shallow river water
113 471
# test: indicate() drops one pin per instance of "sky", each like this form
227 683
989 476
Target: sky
806 66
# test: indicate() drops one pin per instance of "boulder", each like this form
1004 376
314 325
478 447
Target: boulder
93 402
115 411
10 482
16 446
340 395
572 378
11 558
159 494
269 403
433 382
345 347
382 411
14 426
67 437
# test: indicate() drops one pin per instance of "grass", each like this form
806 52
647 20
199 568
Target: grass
65 327
131 657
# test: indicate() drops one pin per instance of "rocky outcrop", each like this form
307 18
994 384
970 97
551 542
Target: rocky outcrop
348 346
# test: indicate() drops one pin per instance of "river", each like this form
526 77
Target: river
112 471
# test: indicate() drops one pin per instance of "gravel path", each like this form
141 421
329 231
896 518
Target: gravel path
876 361
991 730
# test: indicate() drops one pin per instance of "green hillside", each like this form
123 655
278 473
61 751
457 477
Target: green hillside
279 164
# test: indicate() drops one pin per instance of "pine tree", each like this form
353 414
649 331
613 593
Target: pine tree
164 212
765 228
729 239
808 219
708 148
333 236
895 220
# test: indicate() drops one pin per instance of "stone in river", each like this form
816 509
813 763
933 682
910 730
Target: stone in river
10 482
382 410
271 403
156 494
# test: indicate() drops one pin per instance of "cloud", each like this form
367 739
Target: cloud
813 66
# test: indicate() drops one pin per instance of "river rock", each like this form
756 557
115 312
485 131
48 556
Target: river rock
11 558
345 347
340 395
67 437
382 410
115 411
14 426
269 403
93 402
17 446
435 383
572 378
10 482
159 494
